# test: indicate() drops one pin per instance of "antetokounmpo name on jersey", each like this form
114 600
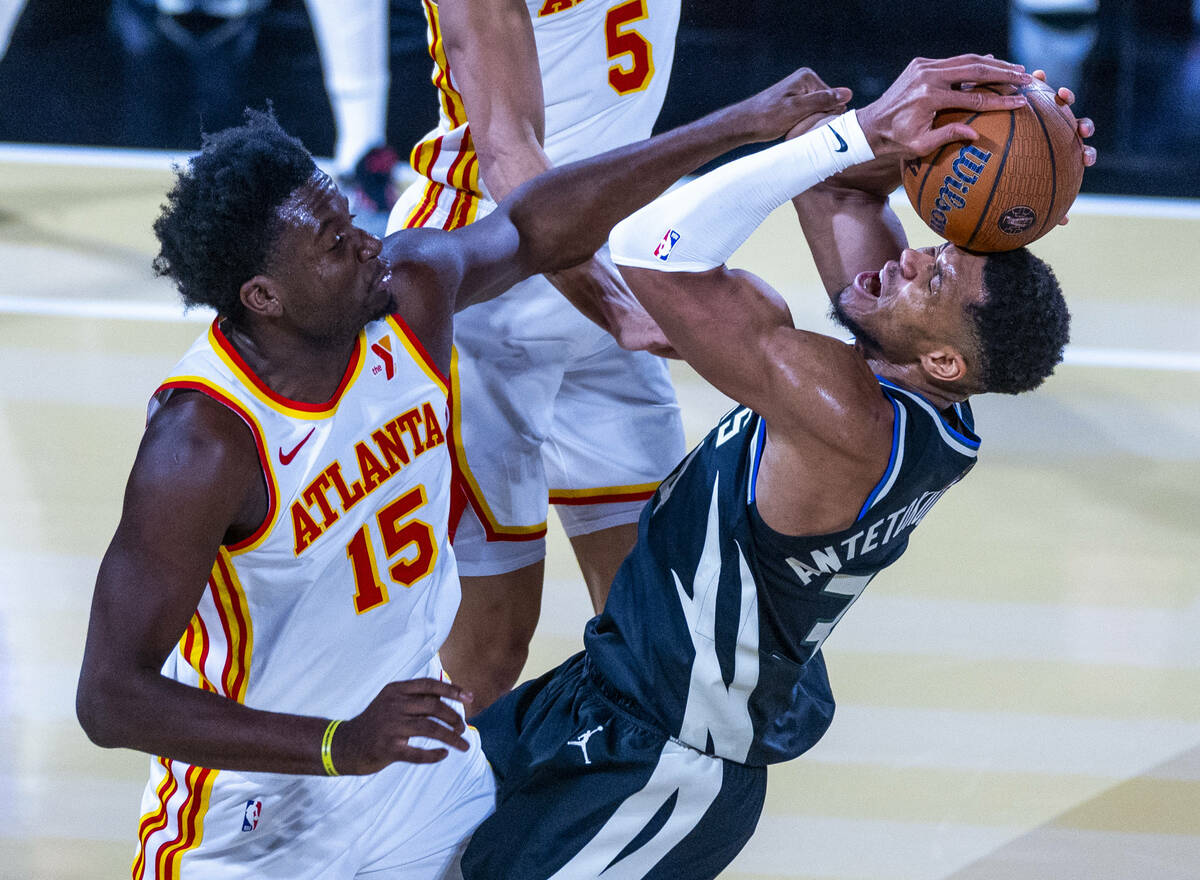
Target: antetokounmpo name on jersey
831 558
330 495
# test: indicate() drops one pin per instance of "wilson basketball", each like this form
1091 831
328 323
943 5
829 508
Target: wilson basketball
1009 187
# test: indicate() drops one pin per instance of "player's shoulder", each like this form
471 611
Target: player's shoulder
824 388
193 437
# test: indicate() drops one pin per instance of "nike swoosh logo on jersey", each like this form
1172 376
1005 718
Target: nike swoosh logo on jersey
842 145
286 458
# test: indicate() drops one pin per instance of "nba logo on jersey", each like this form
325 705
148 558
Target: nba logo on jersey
664 247
250 818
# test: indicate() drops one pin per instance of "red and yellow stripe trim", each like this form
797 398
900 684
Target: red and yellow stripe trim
462 174
294 408
207 387
187 818
233 616
452 102
603 495
418 353
233 611
494 530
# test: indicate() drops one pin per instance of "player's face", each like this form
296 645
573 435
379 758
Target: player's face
332 280
914 303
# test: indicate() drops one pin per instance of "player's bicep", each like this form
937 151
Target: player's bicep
723 322
184 494
848 231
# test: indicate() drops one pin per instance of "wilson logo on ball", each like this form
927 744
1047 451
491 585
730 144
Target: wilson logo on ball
1008 186
955 186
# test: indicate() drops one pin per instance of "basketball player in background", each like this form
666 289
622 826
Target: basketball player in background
281 577
353 42
645 755
548 405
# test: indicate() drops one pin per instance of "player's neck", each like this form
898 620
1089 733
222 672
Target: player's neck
293 367
912 378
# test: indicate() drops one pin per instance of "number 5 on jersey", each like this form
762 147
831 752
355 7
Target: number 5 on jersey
635 68
410 548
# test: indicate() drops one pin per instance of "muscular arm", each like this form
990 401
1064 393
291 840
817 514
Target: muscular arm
849 225
197 483
195 477
560 218
490 47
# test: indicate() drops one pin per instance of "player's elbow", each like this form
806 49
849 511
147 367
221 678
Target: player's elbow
96 704
547 243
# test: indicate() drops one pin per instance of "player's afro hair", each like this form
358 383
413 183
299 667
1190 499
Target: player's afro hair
1023 323
220 222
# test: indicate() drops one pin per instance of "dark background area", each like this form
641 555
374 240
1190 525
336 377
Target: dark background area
97 73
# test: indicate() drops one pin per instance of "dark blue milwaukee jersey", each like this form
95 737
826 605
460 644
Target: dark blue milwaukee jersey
714 625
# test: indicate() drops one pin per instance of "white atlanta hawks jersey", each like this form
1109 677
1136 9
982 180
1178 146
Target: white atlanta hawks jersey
605 66
350 582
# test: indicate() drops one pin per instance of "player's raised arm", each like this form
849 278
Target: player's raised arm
490 47
560 218
693 230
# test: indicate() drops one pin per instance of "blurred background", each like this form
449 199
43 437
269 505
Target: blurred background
1019 697
152 73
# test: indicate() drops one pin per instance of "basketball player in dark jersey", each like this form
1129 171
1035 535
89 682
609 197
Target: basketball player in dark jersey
645 755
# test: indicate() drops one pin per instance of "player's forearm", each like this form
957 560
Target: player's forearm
491 49
848 230
145 711
564 215
697 227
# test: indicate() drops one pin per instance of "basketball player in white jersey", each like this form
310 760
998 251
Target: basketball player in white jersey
548 405
268 614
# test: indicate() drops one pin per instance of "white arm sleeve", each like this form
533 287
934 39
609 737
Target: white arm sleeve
697 226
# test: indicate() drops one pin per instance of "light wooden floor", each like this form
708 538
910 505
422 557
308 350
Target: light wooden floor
1019 696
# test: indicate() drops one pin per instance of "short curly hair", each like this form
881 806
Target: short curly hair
221 218
1022 323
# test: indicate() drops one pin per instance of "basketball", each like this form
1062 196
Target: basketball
1009 187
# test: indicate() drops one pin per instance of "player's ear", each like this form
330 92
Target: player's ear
260 295
944 364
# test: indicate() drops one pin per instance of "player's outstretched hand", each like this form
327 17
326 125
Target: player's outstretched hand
403 709
773 111
900 122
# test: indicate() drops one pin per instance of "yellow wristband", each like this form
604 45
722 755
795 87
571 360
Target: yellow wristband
327 747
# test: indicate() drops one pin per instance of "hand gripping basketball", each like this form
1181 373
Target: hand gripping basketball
901 121
1014 181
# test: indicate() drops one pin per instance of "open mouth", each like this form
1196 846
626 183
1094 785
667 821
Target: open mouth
868 283
384 277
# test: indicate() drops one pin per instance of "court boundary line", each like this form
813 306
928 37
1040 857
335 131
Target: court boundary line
1158 207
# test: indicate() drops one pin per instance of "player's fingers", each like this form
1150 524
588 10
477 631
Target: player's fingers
446 714
430 686
424 706
1065 96
941 136
980 101
807 78
1039 74
822 100
1089 156
984 70
1085 127
414 755
432 730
